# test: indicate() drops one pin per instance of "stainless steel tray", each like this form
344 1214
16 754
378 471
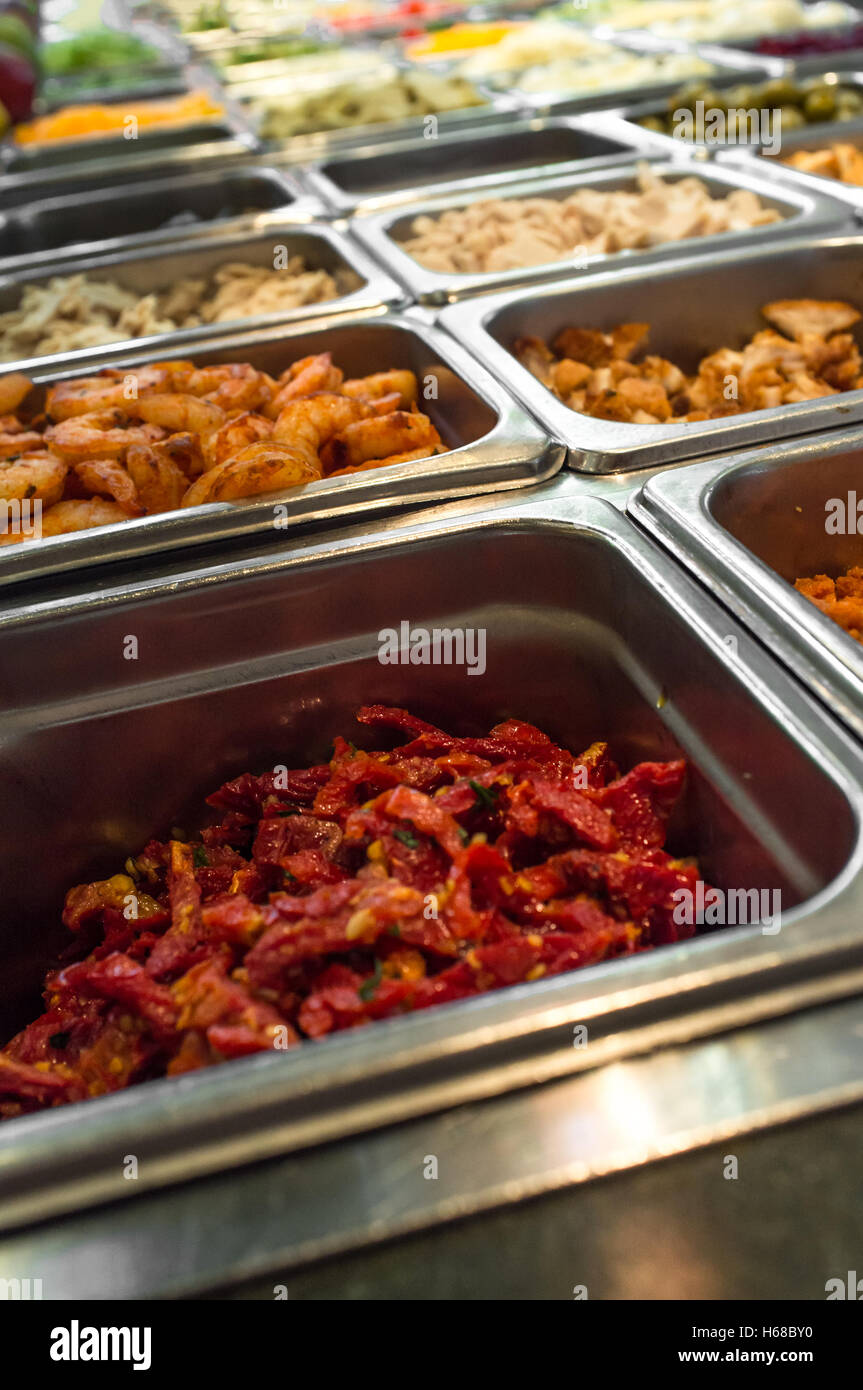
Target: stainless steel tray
108 172
494 445
750 45
152 84
149 142
848 133
136 215
324 246
790 140
729 66
749 525
851 14
383 233
324 144
26 159
400 171
694 306
268 658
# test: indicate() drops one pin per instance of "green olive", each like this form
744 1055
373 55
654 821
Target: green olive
820 105
849 105
715 101
780 91
687 98
790 118
742 97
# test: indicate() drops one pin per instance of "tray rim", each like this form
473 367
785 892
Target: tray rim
676 511
515 452
605 447
52 1164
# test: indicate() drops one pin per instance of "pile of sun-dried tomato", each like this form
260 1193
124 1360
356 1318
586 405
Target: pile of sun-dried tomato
371 886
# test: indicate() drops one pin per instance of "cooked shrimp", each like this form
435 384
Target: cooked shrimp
13 389
158 481
80 516
244 429
382 405
304 378
400 432
263 467
233 387
18 442
82 396
178 413
307 424
111 390
101 434
110 477
185 449
410 457
368 388
178 371
33 475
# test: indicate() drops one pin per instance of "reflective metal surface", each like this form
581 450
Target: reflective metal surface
373 176
749 525
727 65
493 444
143 214
694 306
322 144
363 285
657 675
272 1218
851 133
384 232
107 172
831 67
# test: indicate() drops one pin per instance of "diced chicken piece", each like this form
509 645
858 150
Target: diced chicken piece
569 376
627 338
798 316
803 387
585 345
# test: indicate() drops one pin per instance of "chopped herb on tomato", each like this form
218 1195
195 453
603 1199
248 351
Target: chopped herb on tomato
485 796
368 988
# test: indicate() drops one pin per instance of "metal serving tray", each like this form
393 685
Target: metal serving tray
851 13
694 306
266 660
136 215
147 142
26 159
750 45
109 172
749 525
729 67
151 84
323 144
790 140
364 285
494 445
847 133
383 233
373 176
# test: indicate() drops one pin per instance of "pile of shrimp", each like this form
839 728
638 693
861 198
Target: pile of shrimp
151 439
